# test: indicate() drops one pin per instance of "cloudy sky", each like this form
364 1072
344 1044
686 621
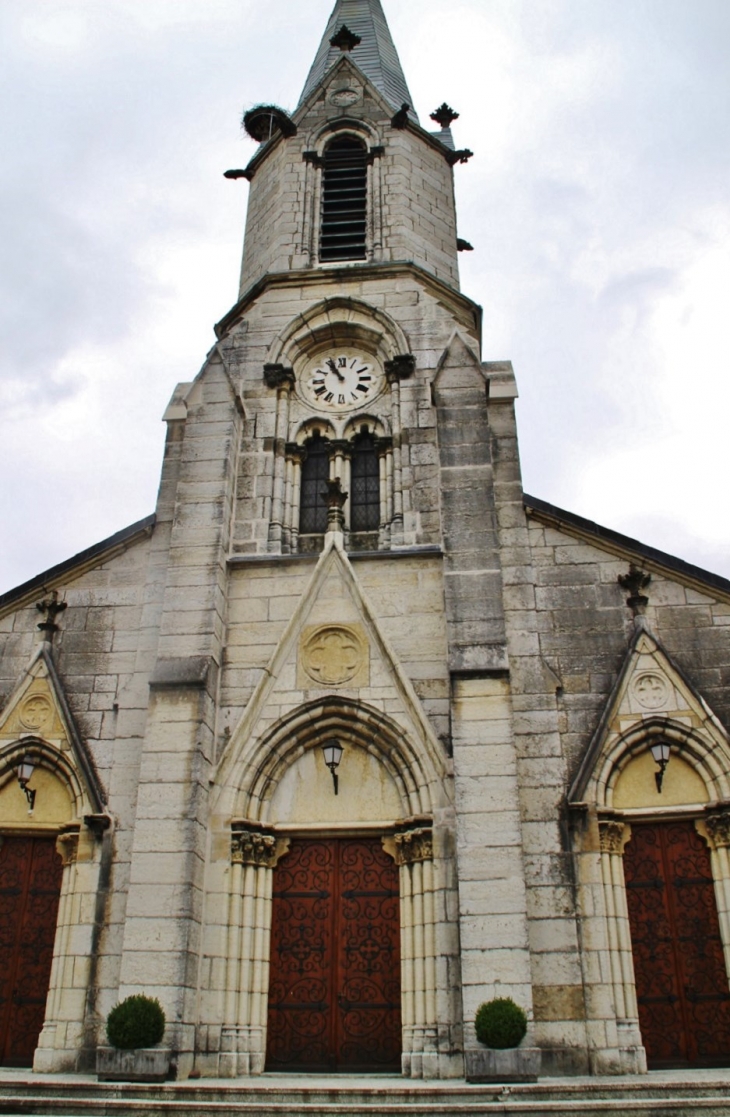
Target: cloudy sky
597 203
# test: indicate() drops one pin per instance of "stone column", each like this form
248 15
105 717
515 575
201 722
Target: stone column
384 447
254 853
414 855
282 379
375 209
717 827
69 990
294 456
614 834
398 369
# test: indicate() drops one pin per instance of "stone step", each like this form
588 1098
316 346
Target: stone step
705 1094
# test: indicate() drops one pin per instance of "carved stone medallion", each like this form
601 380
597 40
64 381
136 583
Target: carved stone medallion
343 98
35 712
334 655
650 690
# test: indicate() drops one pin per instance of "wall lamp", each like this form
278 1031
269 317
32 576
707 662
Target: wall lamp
333 751
24 773
660 753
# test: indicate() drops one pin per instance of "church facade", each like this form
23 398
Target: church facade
352 735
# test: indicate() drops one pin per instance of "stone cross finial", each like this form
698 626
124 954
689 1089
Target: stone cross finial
635 581
345 39
335 499
50 607
444 115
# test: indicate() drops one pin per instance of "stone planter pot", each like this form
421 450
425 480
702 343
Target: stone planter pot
511 1064
141 1064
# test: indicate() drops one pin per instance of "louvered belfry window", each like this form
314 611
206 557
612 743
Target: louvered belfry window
315 474
365 485
344 201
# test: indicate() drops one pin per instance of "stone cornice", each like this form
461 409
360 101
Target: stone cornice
467 312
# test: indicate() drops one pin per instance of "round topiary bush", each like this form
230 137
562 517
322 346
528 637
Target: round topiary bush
138 1021
500 1023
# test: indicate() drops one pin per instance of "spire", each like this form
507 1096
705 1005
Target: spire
374 52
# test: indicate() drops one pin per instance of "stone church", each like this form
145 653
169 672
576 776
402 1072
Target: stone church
352 735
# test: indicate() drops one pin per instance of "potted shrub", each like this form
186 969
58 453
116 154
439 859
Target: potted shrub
501 1026
134 1028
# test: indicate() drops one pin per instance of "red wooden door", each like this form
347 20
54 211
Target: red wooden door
30 885
334 991
681 980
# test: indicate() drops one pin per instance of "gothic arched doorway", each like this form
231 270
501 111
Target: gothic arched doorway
334 991
681 979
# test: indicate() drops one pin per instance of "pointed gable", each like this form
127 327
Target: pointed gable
375 54
38 718
334 670
653 701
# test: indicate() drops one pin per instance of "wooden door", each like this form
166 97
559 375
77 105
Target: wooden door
681 979
30 886
334 991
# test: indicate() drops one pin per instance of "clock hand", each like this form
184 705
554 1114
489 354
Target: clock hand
334 368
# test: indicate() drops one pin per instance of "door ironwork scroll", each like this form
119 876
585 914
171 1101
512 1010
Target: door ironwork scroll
30 886
681 980
334 993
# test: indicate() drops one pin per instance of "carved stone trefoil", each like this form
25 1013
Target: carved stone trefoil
414 845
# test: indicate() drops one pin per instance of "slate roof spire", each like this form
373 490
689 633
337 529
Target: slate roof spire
375 54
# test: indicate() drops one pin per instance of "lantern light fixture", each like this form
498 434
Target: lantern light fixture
660 752
333 751
24 773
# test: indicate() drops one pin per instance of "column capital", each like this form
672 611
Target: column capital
253 847
278 376
400 367
717 821
414 845
613 835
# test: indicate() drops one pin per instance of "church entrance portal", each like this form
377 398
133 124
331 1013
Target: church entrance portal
681 979
30 886
334 993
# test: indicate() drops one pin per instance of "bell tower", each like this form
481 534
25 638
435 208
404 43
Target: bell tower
344 416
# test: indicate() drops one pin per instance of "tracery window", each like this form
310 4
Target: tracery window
359 462
344 200
315 472
364 484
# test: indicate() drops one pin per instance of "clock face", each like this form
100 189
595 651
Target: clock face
341 380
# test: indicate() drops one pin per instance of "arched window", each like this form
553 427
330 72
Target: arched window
364 484
315 474
344 200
